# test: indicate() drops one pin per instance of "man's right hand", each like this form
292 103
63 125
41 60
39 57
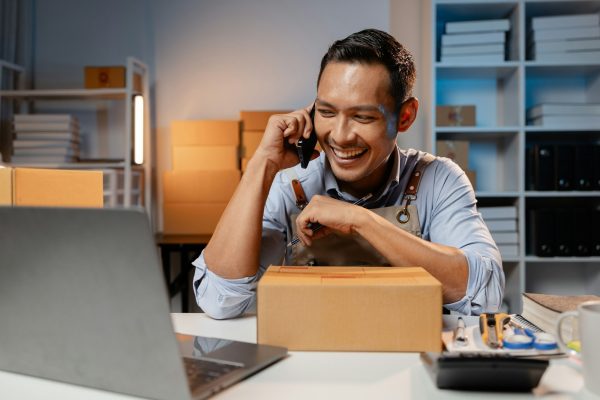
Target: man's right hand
281 134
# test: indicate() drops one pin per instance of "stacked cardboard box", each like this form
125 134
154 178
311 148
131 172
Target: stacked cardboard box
254 124
502 223
457 151
50 188
204 176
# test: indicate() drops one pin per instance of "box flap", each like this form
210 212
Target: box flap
362 276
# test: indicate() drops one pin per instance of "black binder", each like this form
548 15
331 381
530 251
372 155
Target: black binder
541 232
596 182
564 156
595 244
564 231
543 167
582 232
584 167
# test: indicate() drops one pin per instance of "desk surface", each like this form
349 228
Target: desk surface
312 375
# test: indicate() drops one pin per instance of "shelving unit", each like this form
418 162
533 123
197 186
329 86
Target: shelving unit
502 92
128 192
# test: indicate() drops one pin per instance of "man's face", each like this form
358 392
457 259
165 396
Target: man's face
355 124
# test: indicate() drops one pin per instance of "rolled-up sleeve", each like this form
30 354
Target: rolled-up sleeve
454 221
222 298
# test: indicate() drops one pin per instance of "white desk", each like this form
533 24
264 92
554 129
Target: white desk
312 375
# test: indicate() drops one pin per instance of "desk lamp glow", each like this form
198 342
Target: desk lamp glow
138 129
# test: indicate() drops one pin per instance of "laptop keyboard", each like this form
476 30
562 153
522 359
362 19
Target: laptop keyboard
200 372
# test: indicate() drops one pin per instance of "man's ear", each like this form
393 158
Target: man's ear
408 113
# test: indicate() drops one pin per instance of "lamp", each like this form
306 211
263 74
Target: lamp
138 129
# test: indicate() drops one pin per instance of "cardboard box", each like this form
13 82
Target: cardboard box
207 158
50 188
456 150
199 186
458 115
257 120
191 218
250 142
350 309
205 133
104 77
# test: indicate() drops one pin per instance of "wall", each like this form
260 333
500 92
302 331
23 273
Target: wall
209 59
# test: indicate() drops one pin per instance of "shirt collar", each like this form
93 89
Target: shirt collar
332 188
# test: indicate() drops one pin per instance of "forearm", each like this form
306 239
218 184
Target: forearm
445 263
234 249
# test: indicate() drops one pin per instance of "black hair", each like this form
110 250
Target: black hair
371 46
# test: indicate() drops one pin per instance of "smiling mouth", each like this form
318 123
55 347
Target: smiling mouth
348 154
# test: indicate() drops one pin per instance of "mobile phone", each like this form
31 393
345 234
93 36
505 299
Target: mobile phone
306 147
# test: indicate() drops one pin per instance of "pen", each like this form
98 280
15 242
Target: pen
460 335
316 226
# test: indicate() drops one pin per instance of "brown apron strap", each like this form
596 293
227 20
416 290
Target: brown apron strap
301 200
412 187
415 179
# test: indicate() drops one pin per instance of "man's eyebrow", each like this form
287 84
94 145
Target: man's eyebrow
363 107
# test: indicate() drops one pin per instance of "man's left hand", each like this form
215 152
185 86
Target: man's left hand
335 216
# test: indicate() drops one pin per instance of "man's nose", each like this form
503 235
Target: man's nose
341 132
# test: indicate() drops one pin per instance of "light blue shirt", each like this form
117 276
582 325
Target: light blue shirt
448 215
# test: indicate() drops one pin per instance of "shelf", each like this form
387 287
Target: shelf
476 71
79 165
488 195
551 69
498 145
482 133
546 129
66 93
535 259
477 129
548 194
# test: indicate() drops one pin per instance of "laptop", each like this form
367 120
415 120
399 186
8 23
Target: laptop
83 301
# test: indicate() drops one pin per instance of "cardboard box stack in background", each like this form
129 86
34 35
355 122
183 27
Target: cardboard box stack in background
350 309
50 188
204 176
253 127
457 151
502 223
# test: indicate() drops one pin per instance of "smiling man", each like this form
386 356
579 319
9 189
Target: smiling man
414 209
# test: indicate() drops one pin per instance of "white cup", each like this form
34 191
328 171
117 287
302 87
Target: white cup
588 314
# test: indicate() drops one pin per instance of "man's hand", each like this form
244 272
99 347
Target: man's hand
281 134
335 216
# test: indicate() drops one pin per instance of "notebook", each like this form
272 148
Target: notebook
83 301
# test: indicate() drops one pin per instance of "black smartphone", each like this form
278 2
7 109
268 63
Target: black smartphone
306 147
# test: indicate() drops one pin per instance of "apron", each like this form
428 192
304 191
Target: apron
353 250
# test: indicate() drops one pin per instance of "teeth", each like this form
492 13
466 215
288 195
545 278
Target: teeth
348 153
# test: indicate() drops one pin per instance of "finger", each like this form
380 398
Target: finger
308 126
292 127
321 233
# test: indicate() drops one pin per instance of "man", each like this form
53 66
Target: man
415 209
